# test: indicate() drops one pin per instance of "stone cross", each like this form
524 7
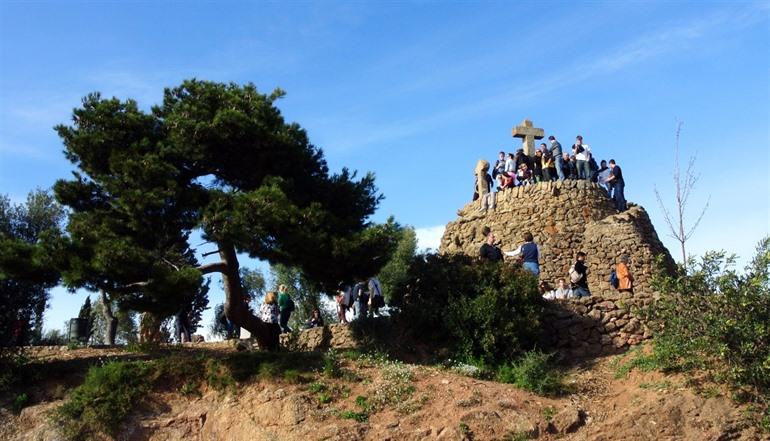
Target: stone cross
528 135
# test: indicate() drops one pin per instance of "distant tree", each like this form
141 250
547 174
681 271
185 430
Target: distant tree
396 271
218 157
54 337
87 314
29 238
683 186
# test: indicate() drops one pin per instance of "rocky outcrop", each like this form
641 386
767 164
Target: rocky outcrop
337 336
564 217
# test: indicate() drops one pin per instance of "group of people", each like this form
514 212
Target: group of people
363 299
548 164
528 254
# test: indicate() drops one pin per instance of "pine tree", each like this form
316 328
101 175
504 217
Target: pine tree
215 157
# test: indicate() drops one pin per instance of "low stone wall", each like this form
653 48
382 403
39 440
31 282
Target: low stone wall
335 336
595 325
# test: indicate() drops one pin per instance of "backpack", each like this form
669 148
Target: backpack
290 305
614 281
574 276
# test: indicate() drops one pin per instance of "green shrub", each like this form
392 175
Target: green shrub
110 392
20 402
533 372
331 367
105 398
484 311
714 319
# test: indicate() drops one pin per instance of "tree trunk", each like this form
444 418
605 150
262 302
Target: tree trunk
112 322
235 309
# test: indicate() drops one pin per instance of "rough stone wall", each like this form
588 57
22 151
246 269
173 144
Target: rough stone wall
564 218
595 325
335 336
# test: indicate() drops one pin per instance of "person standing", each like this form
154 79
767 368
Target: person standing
578 276
549 171
182 325
582 155
362 297
625 278
342 308
269 313
537 166
490 252
618 185
602 175
530 254
376 299
558 159
286 307
484 186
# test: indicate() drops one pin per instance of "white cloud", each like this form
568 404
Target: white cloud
429 238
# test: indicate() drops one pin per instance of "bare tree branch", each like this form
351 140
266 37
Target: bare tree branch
683 187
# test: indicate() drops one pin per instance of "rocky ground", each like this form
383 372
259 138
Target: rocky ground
379 400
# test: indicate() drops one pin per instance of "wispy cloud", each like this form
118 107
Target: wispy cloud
673 38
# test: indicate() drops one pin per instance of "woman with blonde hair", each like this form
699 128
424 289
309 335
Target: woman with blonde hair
269 313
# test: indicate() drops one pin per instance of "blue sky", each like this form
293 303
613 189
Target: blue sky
418 91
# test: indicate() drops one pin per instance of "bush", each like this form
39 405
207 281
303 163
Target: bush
481 311
533 372
714 319
110 392
105 398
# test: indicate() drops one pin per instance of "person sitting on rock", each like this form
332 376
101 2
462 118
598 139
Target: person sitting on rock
625 278
505 182
499 165
315 320
524 175
578 275
571 164
562 291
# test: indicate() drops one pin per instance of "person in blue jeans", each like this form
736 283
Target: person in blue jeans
530 254
618 185
558 160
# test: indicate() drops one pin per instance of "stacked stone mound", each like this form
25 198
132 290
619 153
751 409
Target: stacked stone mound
564 217
595 325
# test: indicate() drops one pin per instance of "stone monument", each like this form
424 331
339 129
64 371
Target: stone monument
565 217
528 134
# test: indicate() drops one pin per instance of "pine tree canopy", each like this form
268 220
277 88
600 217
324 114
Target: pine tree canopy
216 157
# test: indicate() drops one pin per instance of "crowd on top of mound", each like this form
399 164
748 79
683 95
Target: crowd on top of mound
548 164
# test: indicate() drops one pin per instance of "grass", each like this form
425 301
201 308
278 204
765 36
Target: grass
111 392
533 372
548 413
